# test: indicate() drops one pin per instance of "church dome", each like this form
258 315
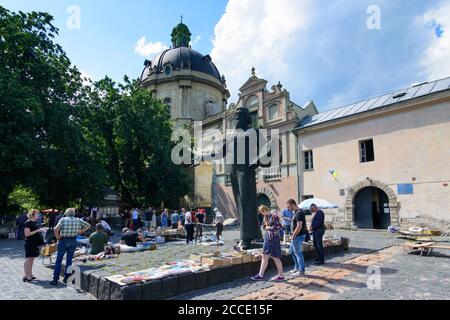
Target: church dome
181 56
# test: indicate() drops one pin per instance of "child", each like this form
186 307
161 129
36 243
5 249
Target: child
271 247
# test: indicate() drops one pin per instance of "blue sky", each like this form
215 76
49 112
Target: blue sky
319 50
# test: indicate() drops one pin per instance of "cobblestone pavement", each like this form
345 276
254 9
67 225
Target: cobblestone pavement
13 288
352 275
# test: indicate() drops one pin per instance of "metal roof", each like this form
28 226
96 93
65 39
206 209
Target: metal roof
389 99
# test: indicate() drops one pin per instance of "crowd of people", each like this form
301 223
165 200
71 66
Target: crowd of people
65 229
68 227
192 221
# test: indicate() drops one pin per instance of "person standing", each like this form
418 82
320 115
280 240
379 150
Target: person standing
189 226
148 216
182 216
126 218
218 221
298 237
318 231
33 240
287 216
199 221
272 247
165 219
66 231
98 240
20 222
175 219
135 219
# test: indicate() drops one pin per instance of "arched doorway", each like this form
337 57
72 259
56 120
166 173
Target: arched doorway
263 200
371 206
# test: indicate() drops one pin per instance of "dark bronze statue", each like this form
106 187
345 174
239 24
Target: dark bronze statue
242 157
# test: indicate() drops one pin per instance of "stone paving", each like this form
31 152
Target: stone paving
351 275
403 276
13 288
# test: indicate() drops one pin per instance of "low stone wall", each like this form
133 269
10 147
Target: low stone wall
95 282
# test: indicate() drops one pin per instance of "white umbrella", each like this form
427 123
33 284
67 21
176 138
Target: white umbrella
320 203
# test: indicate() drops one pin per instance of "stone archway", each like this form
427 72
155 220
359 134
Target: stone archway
352 192
270 195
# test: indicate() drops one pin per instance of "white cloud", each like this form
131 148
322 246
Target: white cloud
260 34
149 49
436 62
196 40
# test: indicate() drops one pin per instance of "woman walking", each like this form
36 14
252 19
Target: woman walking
33 240
272 246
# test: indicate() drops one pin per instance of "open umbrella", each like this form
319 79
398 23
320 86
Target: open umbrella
320 203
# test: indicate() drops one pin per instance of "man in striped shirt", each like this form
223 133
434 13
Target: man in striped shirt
67 231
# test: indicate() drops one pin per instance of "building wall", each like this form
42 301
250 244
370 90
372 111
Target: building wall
279 192
411 146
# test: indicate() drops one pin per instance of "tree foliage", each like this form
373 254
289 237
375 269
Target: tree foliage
41 142
132 131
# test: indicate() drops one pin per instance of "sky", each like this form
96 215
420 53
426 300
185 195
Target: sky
331 52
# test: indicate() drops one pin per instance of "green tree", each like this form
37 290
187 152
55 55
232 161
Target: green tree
41 143
132 131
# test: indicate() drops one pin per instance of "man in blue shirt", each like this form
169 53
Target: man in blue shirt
287 216
318 230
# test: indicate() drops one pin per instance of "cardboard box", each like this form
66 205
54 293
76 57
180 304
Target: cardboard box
49 249
246 258
236 260
226 262
213 262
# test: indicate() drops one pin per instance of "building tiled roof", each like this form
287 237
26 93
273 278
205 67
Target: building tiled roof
386 100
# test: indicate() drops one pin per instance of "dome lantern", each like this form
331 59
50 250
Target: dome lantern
181 35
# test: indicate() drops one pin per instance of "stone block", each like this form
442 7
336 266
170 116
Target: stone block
201 280
103 292
247 269
152 290
227 273
93 284
237 272
169 287
186 282
128 292
215 276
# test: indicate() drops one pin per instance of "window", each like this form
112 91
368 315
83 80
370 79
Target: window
252 101
254 116
273 112
168 70
167 102
366 151
308 156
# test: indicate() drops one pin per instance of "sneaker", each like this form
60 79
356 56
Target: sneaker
277 279
299 274
257 278
293 271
